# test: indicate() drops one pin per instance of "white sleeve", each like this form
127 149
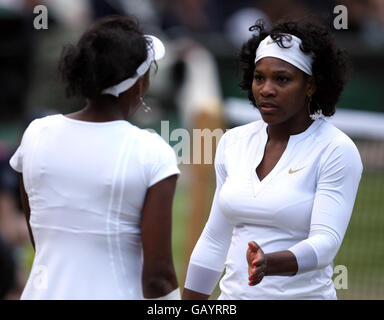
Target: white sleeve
338 181
164 162
16 161
208 257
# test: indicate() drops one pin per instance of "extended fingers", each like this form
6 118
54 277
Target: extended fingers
258 260
256 263
253 252
257 270
256 280
252 271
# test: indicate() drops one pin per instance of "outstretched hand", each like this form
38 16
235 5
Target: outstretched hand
257 265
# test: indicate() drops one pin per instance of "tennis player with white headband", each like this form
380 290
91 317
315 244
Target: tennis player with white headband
286 184
100 212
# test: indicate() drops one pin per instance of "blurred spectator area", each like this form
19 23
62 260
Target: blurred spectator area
363 40
15 56
28 57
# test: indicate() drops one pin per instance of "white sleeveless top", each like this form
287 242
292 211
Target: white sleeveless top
86 183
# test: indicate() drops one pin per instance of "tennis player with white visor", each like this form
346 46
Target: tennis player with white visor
98 190
156 51
286 184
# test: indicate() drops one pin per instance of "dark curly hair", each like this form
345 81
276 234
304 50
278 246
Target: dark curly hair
108 53
330 66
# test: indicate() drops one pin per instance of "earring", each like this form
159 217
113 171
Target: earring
317 114
144 105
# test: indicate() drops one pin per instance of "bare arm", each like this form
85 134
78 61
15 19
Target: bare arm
158 277
193 295
27 210
281 263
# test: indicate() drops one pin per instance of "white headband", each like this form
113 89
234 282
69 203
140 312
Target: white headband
292 54
156 51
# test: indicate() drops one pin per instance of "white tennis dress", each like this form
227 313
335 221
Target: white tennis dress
303 205
86 183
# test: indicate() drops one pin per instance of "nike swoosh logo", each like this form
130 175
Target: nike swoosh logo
294 171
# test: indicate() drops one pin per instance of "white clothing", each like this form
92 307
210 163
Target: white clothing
304 205
291 52
86 183
173 295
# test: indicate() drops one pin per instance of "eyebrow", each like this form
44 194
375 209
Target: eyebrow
277 72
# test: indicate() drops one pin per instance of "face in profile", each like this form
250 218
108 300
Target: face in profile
280 90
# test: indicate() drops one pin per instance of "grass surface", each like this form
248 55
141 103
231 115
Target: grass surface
362 251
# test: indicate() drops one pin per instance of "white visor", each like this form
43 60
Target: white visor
156 51
292 54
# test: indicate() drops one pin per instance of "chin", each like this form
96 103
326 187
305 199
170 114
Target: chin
270 119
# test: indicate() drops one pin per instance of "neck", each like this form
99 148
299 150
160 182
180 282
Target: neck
282 131
103 109
106 106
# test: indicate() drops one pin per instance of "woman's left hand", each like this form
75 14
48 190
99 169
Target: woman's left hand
257 264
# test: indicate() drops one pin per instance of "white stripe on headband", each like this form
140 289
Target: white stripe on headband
292 54
156 51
